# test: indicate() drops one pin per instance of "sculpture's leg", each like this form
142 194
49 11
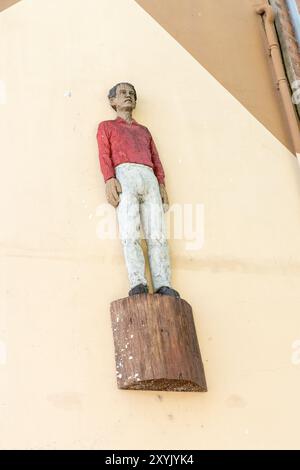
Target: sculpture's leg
129 227
153 222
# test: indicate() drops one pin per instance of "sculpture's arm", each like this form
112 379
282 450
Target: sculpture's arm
158 168
112 185
159 173
105 160
164 196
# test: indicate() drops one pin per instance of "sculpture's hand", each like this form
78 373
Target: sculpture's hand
164 197
112 190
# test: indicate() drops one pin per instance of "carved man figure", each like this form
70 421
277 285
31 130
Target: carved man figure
135 186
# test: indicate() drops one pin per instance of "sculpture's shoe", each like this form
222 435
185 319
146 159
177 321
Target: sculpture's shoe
165 290
139 289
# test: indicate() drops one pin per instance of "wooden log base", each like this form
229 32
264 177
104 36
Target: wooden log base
156 346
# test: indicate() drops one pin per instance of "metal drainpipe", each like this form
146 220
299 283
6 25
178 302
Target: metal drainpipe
267 12
295 18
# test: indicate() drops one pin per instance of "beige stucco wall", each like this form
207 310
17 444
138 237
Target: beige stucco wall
7 3
57 278
228 38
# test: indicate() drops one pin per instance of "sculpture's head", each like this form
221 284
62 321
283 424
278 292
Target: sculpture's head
122 97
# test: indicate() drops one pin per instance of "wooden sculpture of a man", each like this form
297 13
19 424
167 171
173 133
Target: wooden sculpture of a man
135 186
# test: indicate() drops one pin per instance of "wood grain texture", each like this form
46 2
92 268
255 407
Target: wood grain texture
156 346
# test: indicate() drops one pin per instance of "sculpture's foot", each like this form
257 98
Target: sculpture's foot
139 289
165 290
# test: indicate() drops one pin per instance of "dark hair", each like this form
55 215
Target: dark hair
113 91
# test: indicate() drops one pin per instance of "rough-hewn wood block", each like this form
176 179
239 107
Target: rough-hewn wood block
156 346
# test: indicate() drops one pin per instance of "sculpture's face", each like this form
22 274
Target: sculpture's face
124 99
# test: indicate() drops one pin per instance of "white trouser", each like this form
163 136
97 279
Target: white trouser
140 202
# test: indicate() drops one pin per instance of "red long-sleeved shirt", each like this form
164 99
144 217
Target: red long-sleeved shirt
121 142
